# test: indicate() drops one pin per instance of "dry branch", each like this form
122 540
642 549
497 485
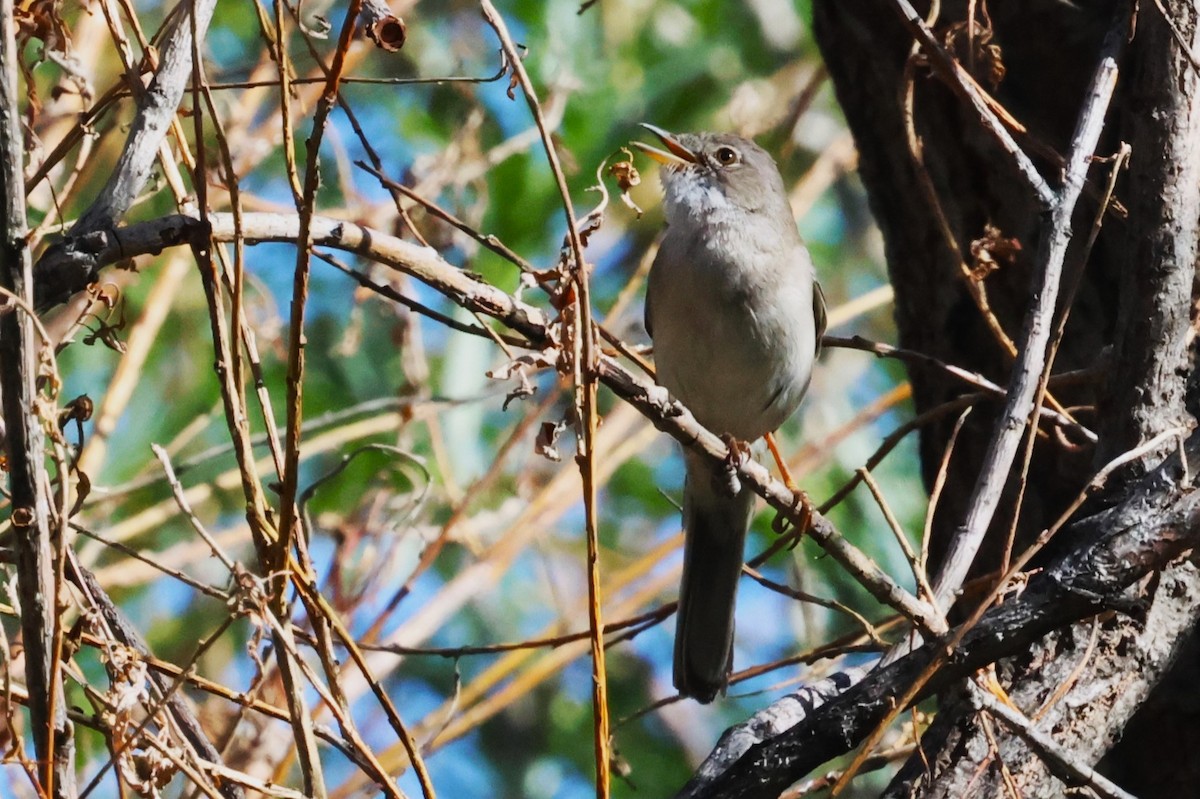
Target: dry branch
127 634
24 410
1029 372
581 349
156 111
480 297
1157 523
1060 760
961 82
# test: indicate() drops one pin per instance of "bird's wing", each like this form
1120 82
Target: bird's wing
646 314
819 313
651 281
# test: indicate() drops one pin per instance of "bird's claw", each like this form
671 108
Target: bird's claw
727 480
739 451
781 524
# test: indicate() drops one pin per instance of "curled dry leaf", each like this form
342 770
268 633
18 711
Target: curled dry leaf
108 332
627 177
589 224
79 409
41 20
546 443
520 368
626 174
83 487
992 251
595 218
978 51
130 682
621 767
514 80
106 294
524 389
148 771
530 360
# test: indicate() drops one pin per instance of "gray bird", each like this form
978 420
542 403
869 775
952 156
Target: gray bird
736 317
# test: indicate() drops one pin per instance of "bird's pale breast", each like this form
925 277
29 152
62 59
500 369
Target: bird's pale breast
740 363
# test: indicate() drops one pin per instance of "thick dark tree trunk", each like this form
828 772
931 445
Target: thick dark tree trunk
976 185
1128 336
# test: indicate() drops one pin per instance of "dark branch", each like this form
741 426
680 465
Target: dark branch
156 110
24 445
1157 523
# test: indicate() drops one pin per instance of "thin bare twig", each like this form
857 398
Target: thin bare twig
830 604
1073 279
1184 46
1060 760
582 354
491 241
24 445
156 113
975 288
1025 380
277 560
476 295
883 350
1029 367
639 623
959 80
939 483
177 491
916 564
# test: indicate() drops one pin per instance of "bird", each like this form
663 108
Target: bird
736 318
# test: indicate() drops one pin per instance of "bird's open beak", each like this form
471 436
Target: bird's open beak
675 155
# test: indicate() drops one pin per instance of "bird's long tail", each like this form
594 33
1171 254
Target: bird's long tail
715 526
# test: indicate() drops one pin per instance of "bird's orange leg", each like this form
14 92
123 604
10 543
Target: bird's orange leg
800 498
781 463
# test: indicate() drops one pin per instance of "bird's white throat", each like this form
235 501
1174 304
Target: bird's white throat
696 196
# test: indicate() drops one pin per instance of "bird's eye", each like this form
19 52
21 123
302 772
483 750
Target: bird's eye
727 156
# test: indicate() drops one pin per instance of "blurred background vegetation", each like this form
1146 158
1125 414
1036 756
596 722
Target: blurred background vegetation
465 472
